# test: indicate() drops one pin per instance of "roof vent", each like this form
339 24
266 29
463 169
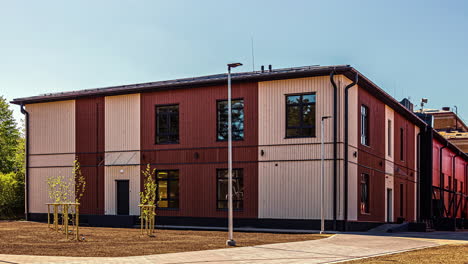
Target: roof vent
262 69
446 108
269 68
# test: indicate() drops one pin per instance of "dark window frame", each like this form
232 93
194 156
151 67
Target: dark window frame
365 131
365 205
217 118
168 199
156 125
301 120
233 200
402 144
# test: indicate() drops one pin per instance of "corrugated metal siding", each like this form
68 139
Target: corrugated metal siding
90 152
122 122
38 191
52 127
272 108
113 173
389 167
353 139
290 190
51 160
287 189
198 154
371 158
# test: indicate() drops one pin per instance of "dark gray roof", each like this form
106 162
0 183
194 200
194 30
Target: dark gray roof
186 82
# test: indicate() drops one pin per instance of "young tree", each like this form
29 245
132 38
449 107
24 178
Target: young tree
9 138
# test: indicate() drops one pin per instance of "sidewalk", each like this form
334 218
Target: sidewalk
336 248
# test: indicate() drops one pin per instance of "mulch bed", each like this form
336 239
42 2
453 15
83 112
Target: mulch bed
31 238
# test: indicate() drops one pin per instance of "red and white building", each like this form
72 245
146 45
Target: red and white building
372 168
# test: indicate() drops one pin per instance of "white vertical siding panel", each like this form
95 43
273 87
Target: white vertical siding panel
122 122
39 190
288 188
272 107
353 135
113 173
389 167
122 133
291 190
52 127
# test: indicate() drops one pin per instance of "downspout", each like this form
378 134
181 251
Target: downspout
454 189
441 180
346 142
26 173
335 145
418 176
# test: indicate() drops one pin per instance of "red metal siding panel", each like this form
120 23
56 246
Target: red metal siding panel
90 151
198 154
371 158
404 172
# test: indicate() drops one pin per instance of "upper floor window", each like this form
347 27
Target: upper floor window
168 188
365 194
237 120
389 140
300 115
402 143
167 124
364 125
237 188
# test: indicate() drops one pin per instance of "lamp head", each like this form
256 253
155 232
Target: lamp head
234 65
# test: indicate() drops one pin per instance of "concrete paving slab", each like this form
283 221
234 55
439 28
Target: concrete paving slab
339 247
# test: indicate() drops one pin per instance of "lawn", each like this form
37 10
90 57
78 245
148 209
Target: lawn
448 254
30 238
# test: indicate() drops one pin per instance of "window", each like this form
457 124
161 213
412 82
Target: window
389 135
167 124
365 193
364 125
237 120
237 189
402 139
402 203
168 188
300 115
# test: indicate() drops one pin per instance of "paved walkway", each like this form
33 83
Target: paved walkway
336 248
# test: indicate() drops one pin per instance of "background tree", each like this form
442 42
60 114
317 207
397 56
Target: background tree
12 170
9 138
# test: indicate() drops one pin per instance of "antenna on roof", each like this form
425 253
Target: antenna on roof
253 57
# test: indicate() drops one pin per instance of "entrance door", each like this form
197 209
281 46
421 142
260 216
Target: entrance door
123 196
389 205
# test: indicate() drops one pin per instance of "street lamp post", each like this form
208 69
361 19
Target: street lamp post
322 175
230 241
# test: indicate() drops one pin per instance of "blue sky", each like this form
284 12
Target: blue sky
409 48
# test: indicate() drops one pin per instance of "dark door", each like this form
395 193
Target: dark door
123 195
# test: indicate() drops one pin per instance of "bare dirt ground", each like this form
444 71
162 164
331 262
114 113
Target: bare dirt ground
450 254
30 238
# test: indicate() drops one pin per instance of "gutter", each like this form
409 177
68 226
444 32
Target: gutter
26 174
346 142
335 145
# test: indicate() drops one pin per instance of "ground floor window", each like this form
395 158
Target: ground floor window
237 188
365 199
168 188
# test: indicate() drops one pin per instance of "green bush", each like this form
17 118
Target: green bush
11 196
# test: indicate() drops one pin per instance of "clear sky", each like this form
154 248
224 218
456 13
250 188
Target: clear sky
409 48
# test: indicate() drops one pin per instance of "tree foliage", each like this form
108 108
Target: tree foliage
12 169
9 138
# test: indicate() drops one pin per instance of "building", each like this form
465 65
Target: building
373 150
448 124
